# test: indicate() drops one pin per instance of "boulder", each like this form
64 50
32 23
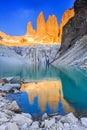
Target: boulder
9 113
84 122
14 107
21 119
44 116
49 123
27 115
10 87
25 126
69 118
35 125
15 80
2 127
12 126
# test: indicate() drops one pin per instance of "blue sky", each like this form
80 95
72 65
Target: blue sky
15 14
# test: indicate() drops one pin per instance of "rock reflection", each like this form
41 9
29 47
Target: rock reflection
48 92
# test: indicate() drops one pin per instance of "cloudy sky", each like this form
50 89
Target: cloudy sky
15 14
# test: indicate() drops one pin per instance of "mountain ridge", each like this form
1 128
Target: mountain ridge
47 32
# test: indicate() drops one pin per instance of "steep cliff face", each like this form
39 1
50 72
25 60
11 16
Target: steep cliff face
73 50
76 27
68 14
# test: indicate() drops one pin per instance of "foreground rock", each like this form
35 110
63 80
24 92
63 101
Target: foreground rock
10 87
9 120
14 107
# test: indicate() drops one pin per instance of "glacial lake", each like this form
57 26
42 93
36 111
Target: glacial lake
52 90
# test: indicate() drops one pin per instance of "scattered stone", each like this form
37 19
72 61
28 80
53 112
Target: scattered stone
14 107
9 120
84 122
44 116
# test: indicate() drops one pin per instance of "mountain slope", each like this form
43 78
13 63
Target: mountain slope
74 42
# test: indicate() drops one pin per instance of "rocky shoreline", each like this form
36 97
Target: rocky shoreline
11 117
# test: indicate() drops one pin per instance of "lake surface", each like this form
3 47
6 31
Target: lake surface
50 90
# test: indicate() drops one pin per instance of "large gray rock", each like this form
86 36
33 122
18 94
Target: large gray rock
21 119
25 127
10 87
35 125
69 118
49 123
12 126
15 80
27 115
14 107
84 122
3 127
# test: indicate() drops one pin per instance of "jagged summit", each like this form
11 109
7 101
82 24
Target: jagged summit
47 32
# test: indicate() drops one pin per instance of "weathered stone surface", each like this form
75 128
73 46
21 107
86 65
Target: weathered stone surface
14 107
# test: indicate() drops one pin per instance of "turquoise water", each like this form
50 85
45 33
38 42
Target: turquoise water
74 89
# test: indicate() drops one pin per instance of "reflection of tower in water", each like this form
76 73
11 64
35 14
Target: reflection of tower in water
48 92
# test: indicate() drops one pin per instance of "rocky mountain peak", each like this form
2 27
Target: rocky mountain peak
30 30
52 26
41 25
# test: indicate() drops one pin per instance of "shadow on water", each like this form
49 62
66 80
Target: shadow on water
73 86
